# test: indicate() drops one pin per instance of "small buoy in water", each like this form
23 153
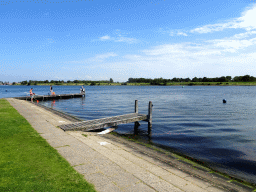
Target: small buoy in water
182 86
6 90
224 101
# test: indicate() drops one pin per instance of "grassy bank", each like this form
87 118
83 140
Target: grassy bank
28 162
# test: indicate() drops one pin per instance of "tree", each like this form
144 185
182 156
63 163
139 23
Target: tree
229 78
205 79
195 79
223 79
246 78
175 79
111 80
187 80
24 83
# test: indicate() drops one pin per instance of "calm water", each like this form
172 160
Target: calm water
192 120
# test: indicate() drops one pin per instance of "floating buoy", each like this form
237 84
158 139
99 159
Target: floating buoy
37 101
224 101
6 90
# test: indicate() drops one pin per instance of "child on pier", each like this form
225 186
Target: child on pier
31 94
51 90
82 90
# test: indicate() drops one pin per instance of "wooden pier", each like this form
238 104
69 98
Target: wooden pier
52 97
112 121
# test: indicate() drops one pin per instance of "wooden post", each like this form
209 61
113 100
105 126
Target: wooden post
136 106
136 124
149 117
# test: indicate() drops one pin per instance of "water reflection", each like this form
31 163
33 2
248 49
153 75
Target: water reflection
53 104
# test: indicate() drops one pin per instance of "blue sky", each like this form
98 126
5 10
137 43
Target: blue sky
99 40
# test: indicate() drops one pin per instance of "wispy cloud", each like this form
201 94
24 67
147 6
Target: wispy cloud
173 32
119 39
126 40
232 45
103 56
246 21
182 34
106 37
225 55
97 58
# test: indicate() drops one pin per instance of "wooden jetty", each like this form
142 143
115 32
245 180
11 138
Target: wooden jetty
112 121
52 97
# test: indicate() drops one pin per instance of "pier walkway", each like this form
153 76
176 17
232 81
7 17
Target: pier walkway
116 165
112 121
51 97
104 122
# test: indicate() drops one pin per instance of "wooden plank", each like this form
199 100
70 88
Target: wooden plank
103 123
108 121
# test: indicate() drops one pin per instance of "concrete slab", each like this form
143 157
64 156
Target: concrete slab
139 187
87 169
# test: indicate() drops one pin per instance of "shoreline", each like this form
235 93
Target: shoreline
221 84
145 150
167 151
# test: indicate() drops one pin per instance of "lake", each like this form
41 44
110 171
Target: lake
192 120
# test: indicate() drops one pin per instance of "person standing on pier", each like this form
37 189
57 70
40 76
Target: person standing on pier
82 90
51 90
31 94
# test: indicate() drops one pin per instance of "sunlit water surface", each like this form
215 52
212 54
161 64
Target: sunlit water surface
192 120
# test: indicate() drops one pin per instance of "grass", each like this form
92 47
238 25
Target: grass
28 162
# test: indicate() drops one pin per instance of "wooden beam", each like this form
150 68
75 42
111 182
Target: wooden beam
136 106
149 117
136 124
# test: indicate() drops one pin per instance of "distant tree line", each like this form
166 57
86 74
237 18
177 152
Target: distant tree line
156 81
60 82
161 81
4 83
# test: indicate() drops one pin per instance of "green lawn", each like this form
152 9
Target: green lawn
28 162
